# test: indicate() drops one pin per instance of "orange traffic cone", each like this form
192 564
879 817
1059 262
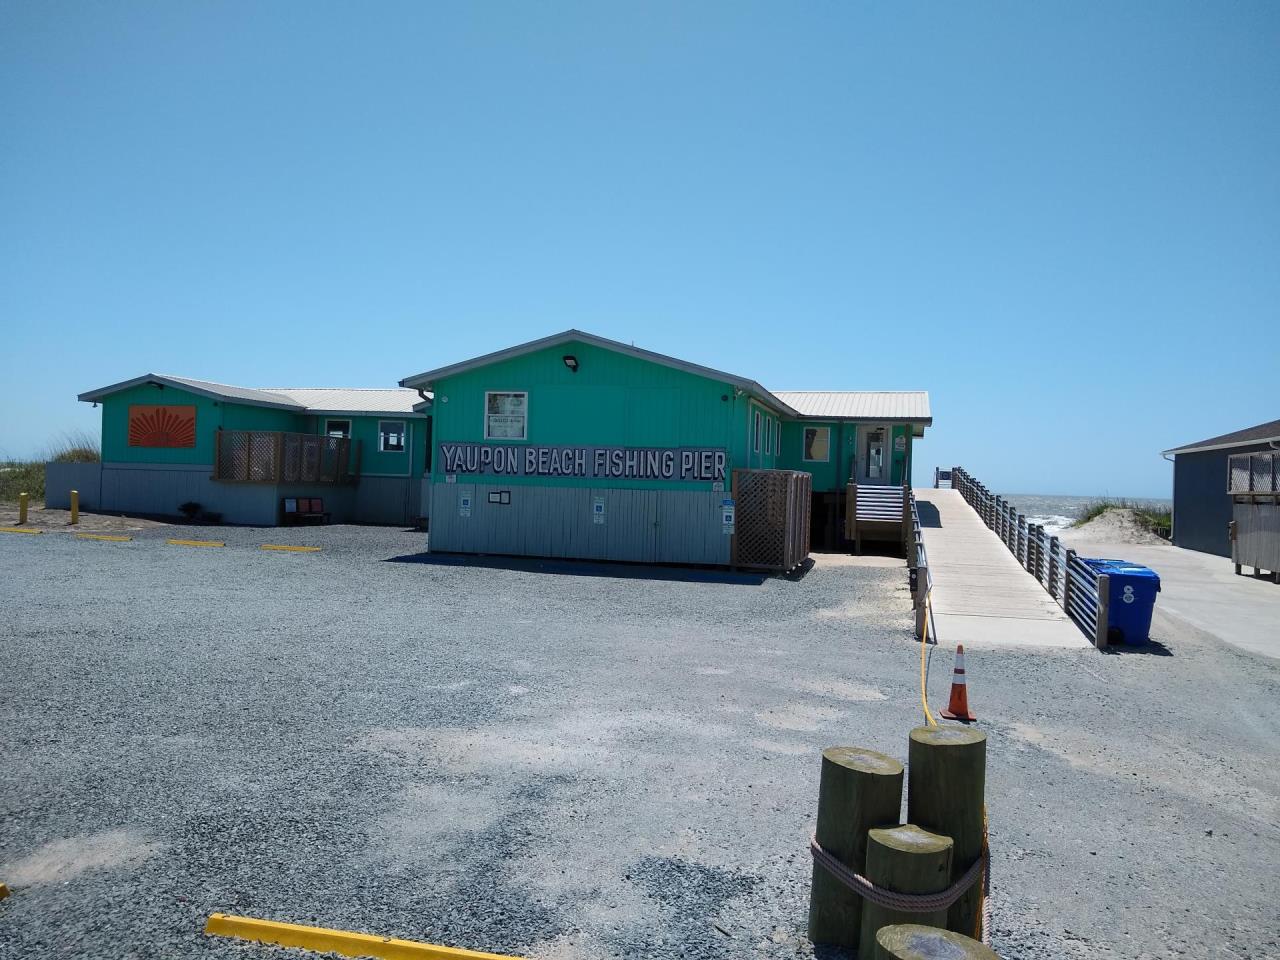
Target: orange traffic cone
958 708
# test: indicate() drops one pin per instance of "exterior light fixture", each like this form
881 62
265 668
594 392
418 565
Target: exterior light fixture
571 362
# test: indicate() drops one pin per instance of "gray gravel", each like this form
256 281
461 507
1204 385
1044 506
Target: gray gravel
573 761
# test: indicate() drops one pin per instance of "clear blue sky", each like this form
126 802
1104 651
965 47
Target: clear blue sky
1062 219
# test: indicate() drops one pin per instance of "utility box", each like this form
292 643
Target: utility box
1133 598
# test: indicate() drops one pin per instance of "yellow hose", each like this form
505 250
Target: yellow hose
924 639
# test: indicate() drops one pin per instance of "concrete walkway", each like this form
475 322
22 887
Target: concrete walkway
1204 591
981 595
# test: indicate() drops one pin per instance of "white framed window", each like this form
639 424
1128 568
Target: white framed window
755 433
777 437
391 436
506 415
817 444
768 436
337 428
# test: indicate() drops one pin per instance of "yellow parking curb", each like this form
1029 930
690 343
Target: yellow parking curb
19 530
196 543
102 536
335 941
290 547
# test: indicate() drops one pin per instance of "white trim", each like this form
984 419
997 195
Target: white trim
524 438
768 436
827 458
777 437
404 436
755 429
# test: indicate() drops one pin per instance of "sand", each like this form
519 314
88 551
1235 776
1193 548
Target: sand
1117 525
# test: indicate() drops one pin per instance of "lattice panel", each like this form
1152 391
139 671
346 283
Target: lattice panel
772 524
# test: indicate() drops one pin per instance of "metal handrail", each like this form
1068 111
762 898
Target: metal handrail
1081 591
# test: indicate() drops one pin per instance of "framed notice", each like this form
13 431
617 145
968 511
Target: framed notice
506 416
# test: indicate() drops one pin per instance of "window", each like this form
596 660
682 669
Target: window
391 436
755 433
768 436
817 443
337 428
777 437
506 416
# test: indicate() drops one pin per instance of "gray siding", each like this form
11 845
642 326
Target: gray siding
1257 535
61 478
389 500
158 490
1201 506
667 526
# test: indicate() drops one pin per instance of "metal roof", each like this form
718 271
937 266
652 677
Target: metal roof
204 388
393 400
427 380
1263 433
896 405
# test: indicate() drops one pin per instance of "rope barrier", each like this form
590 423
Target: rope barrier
891 899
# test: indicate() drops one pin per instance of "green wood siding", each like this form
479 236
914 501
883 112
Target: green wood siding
210 415
373 462
612 399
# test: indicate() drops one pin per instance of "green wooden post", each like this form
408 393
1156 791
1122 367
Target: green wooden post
945 792
860 789
912 941
904 859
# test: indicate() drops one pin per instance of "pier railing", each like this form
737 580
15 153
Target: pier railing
1083 594
919 578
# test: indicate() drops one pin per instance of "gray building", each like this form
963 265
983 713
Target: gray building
1201 504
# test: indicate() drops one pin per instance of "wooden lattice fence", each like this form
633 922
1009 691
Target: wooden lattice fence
772 518
265 456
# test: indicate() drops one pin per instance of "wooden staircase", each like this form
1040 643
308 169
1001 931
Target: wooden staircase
874 512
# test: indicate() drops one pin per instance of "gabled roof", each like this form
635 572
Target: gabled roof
899 406
427 380
1250 436
303 400
203 388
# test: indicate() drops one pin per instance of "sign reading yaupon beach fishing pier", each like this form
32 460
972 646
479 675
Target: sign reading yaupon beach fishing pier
596 463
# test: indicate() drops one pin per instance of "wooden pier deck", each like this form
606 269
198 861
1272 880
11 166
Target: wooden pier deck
981 595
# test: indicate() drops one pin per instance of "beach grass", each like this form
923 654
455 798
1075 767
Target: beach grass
1154 519
27 476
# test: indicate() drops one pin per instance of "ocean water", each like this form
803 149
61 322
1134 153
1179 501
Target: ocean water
1057 513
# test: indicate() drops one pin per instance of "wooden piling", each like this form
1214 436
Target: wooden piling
904 859
945 795
23 499
860 789
912 941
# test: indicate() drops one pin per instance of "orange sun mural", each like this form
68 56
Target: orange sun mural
162 426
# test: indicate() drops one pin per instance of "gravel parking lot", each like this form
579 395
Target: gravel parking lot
563 761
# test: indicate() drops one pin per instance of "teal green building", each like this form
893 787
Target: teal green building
579 446
246 454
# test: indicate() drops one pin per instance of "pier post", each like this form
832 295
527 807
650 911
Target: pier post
946 785
1104 611
1053 568
859 789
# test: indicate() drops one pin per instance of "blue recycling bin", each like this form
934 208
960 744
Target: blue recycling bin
1133 598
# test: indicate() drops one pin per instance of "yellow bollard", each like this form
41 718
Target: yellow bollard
22 508
75 506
